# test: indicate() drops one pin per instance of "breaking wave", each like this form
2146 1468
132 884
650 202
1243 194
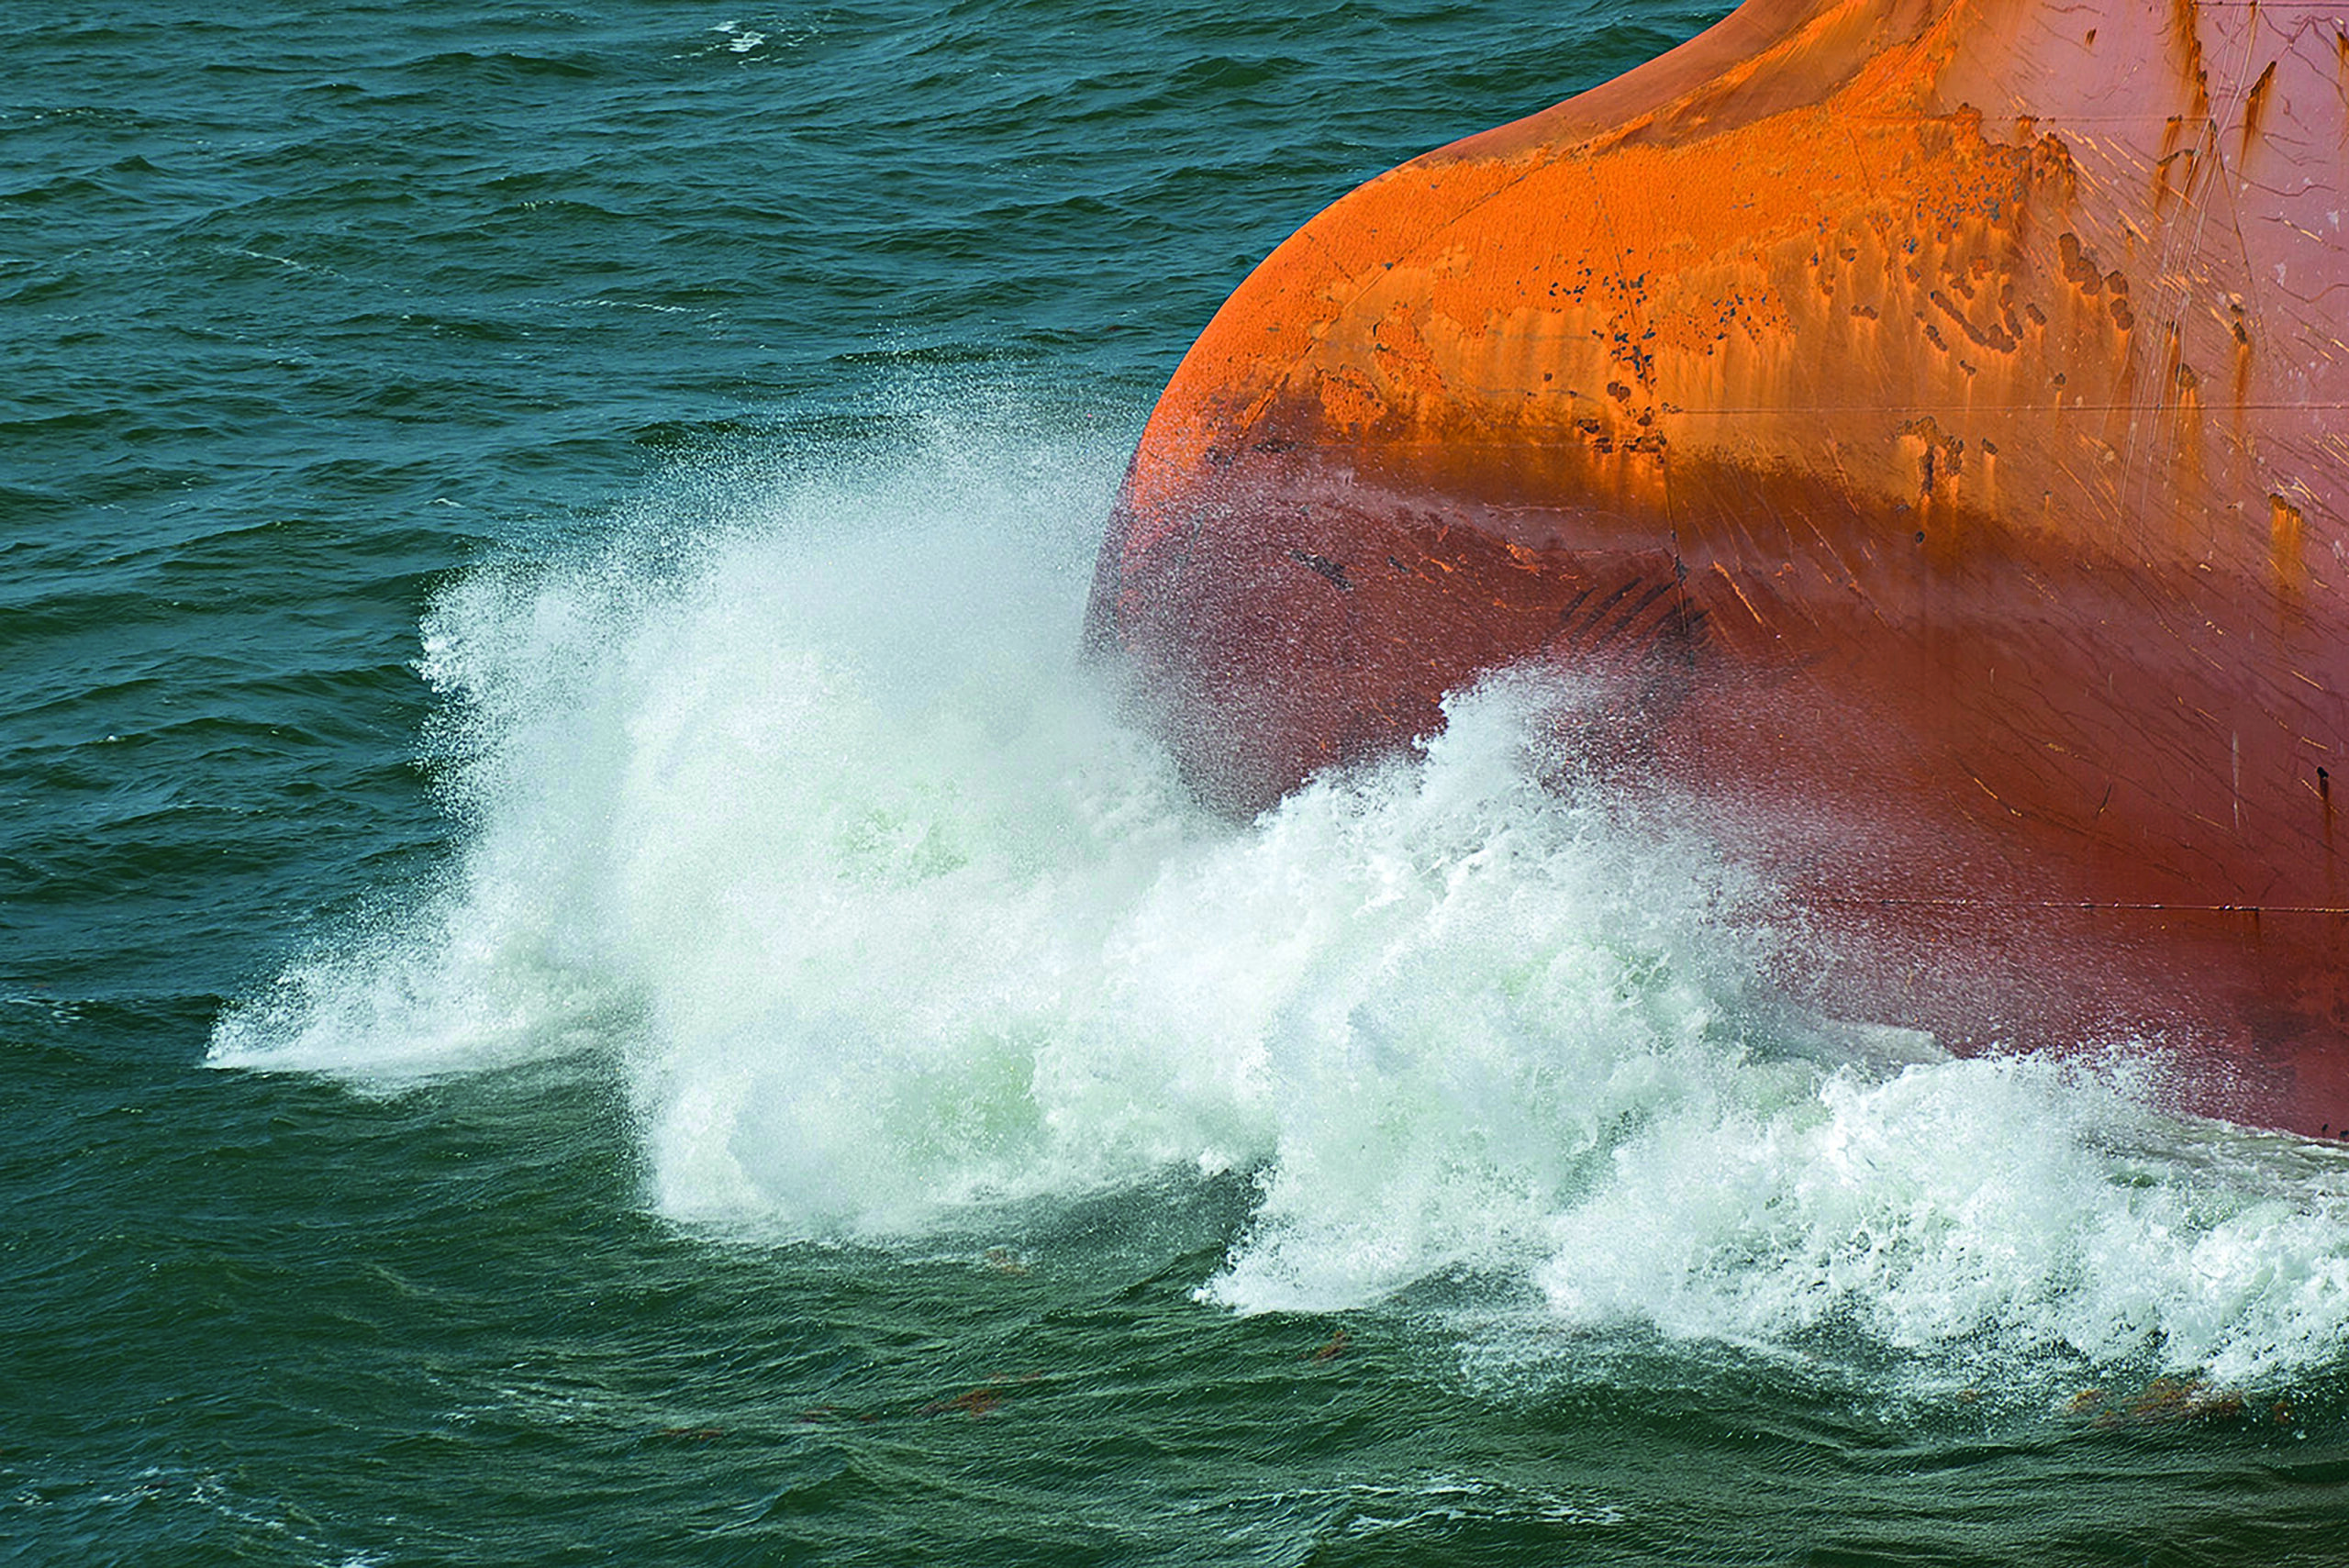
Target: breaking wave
793 803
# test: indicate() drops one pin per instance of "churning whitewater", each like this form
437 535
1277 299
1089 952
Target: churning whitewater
793 804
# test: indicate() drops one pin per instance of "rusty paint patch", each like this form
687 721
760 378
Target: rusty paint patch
2286 531
2186 23
2255 106
2079 263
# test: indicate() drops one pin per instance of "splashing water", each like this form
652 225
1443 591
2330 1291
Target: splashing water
795 803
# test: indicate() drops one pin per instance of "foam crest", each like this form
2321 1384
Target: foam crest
2007 1212
795 806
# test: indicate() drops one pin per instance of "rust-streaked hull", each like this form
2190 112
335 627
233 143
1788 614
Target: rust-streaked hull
1929 417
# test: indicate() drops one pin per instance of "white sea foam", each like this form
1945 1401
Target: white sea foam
795 803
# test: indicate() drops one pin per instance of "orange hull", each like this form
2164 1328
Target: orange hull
1927 416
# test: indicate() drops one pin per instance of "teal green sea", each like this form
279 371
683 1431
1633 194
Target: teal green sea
587 977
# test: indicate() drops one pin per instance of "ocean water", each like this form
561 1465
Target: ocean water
585 976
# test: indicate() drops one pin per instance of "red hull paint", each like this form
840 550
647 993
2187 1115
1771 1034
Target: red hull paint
1929 420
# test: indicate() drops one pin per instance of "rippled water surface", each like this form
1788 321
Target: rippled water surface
585 977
